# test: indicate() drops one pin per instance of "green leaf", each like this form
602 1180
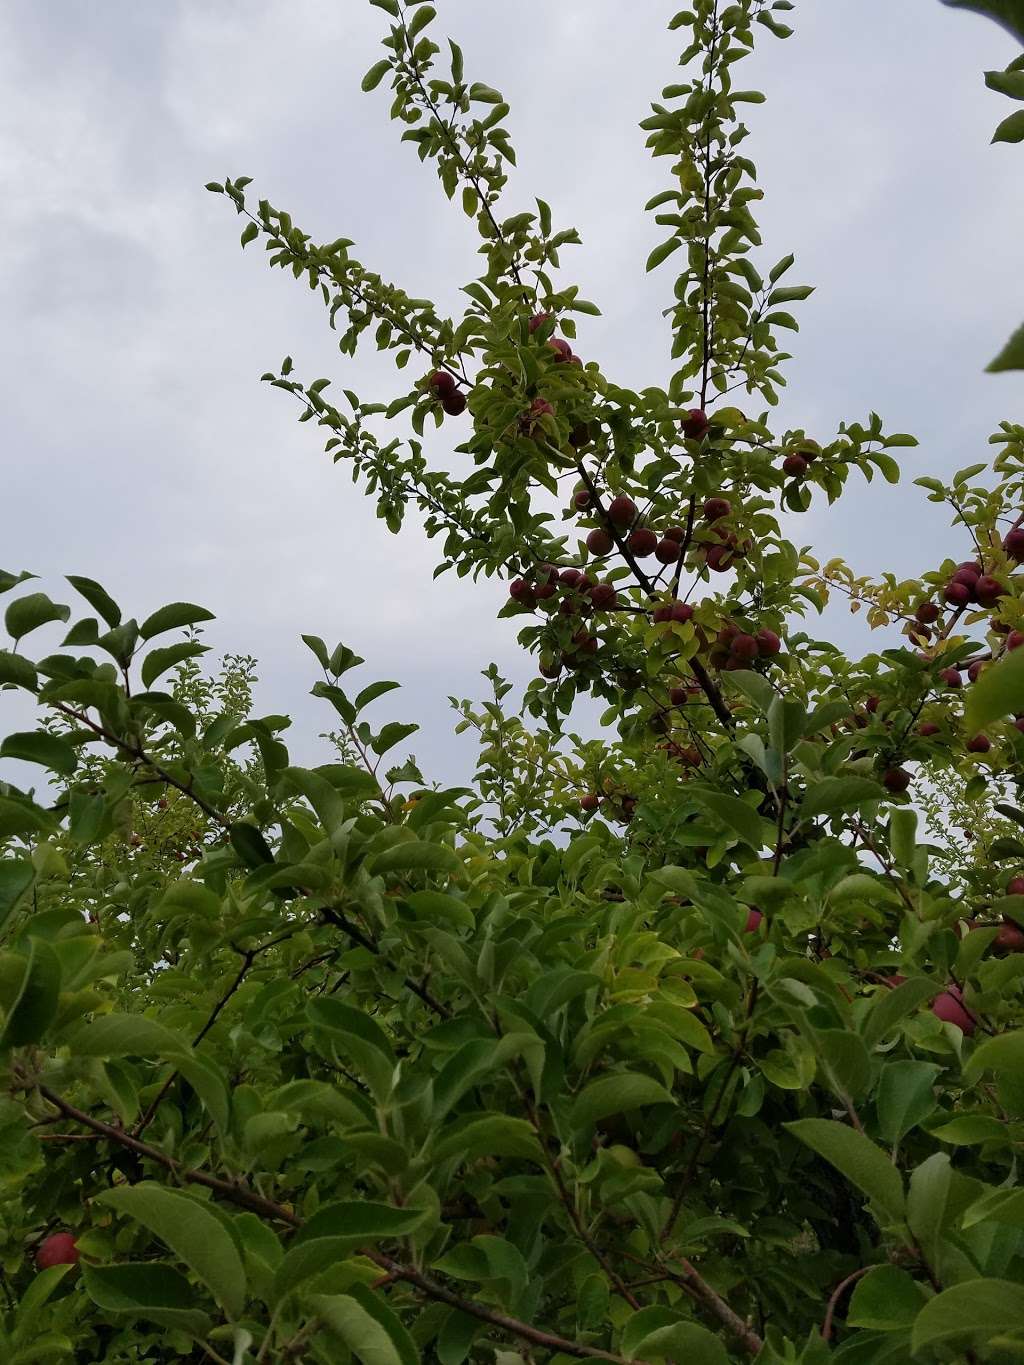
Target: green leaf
393 733
376 74
420 19
17 671
45 749
1003 1054
737 815
414 855
997 692
975 1312
858 1159
367 1327
372 692
998 1206
1008 13
123 1035
966 1130
662 252
904 1097
335 1231
250 845
490 1135
616 1093
25 614
361 1037
777 271
35 1005
844 1060
249 234
171 617
98 598
435 906
1011 357
682 1341
151 1290
194 1234
1009 83
885 1299
829 795
158 661
1011 129
16 876
893 1005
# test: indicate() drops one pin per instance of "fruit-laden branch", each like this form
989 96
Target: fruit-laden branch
234 1192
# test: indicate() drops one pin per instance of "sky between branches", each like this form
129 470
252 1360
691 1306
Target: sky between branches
139 447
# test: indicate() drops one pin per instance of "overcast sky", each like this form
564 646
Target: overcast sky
139 447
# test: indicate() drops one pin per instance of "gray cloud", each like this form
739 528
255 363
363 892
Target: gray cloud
140 448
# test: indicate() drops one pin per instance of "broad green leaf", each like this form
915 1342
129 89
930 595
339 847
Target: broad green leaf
1011 357
17 671
1003 1054
489 1135
737 815
968 1129
35 1006
858 1159
1008 13
997 692
415 855
1001 1206
123 1035
905 1096
829 795
375 75
437 907
150 1290
38 746
683 1341
891 1006
367 1327
193 1233
1011 129
886 1299
25 614
158 661
927 1200
361 1037
171 617
662 252
973 1312
844 1060
393 733
16 876
98 598
616 1093
335 1231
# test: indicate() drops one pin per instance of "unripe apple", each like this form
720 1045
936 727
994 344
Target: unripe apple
60 1248
604 596
949 1007
622 510
667 551
927 612
927 729
951 677
768 643
957 594
538 320
581 499
896 780
441 383
743 648
988 590
454 403
682 612
754 918
1015 639
795 466
1015 886
599 542
980 744
590 802
1013 543
716 508
642 542
695 424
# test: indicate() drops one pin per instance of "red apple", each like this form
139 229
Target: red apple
604 596
642 542
1015 886
1010 938
667 551
590 802
951 677
581 499
956 594
441 383
795 466
768 643
927 612
1015 639
599 542
988 590
896 779
682 612
980 744
561 348
454 403
60 1248
695 424
716 508
622 510
1013 543
743 647
538 320
927 729
949 1007
754 918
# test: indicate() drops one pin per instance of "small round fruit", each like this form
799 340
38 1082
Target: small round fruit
662 613
538 320
667 551
951 677
893 981
988 590
60 1248
599 542
570 577
979 744
681 612
590 802
561 348
441 383
604 596
550 668
975 670
949 1007
519 589
768 643
676 533
928 612
1015 886
871 705
957 594
795 466
754 918
896 780
580 435
622 510
1013 543
928 728
581 499
1010 938
678 696
454 403
716 508
743 647
642 542
1015 639
695 424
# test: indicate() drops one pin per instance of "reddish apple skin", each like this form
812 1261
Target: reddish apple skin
951 677
988 590
604 596
667 551
928 612
1015 639
642 542
454 403
1015 886
441 383
538 320
561 348
682 612
695 424
957 594
893 981
581 499
927 729
754 918
60 1248
980 744
677 533
743 647
1010 938
896 780
599 542
795 466
622 510
590 802
974 672
949 1007
678 696
716 508
1013 544
768 642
